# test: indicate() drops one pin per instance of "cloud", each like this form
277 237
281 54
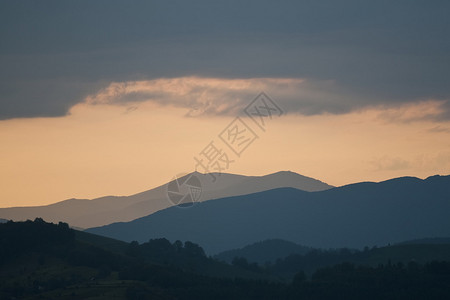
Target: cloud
439 129
410 112
222 96
55 53
434 162
386 163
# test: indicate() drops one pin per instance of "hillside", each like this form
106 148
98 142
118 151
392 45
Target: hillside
427 241
398 255
39 260
264 251
54 261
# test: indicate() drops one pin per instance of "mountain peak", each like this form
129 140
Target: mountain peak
105 210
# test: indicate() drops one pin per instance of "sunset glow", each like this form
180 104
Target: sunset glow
109 146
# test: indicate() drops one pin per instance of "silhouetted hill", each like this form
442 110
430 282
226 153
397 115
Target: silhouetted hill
106 243
265 251
3 220
53 261
386 281
354 216
39 260
82 213
316 259
428 241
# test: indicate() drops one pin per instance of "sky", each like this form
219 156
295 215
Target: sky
116 97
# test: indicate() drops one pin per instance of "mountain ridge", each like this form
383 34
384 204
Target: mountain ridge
355 216
84 213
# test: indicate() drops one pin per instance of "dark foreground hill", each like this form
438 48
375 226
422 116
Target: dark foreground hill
354 216
439 241
263 252
283 259
40 260
53 261
398 255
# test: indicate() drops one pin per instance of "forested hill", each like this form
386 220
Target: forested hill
41 260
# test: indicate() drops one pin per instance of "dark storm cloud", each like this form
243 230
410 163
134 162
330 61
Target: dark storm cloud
54 53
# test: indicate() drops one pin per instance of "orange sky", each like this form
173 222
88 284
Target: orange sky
109 148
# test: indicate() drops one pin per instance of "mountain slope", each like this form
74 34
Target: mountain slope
84 213
357 215
265 251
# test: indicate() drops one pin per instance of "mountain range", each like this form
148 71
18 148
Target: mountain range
356 215
83 213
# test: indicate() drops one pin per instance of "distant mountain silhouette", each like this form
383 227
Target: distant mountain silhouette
354 216
265 251
427 241
82 213
3 221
